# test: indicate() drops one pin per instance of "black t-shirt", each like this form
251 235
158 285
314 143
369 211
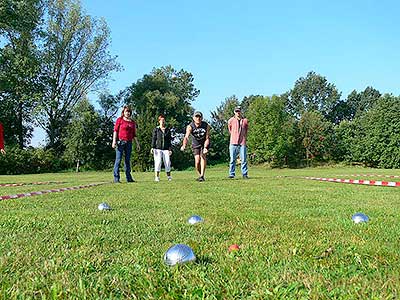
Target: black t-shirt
199 134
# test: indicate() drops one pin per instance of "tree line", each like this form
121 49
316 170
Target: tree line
52 54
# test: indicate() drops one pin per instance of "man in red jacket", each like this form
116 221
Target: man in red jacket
2 140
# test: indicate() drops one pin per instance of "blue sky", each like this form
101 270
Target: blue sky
255 47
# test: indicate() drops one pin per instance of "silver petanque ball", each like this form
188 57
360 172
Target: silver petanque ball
179 254
104 206
195 219
359 218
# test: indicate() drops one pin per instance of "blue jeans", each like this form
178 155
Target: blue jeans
122 147
234 150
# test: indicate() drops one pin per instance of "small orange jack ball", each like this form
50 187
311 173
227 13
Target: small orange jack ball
233 248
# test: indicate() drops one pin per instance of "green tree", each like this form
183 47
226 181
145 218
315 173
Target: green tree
377 135
163 91
316 134
271 137
104 153
219 152
81 135
362 102
312 93
19 67
75 60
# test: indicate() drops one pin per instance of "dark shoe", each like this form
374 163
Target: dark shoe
231 176
201 179
245 177
131 180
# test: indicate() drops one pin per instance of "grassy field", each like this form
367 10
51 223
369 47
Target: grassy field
296 236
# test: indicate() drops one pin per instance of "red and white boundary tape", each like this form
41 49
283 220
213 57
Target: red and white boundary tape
49 191
357 181
372 175
30 183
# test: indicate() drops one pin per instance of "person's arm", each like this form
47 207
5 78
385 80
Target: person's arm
246 128
137 143
114 141
2 140
115 134
153 140
230 126
207 141
186 138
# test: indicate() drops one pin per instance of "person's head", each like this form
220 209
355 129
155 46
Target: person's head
126 111
161 120
197 117
238 111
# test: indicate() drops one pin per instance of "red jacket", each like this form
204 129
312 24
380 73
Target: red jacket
238 130
1 136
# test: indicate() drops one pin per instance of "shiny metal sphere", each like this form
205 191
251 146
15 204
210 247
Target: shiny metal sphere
179 254
359 218
195 219
104 206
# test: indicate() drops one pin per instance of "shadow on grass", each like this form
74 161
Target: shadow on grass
204 260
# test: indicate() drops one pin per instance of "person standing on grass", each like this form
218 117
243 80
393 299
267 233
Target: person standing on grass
200 132
2 140
161 148
124 133
238 126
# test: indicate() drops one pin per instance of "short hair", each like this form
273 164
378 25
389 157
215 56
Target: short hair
126 107
160 117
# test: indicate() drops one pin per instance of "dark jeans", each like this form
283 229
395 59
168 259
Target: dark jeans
122 147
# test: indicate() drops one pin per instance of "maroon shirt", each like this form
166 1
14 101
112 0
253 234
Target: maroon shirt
126 130
1 136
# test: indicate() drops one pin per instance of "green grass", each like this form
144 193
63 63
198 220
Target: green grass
59 246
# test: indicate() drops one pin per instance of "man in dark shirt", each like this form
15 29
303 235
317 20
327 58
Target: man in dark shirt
200 132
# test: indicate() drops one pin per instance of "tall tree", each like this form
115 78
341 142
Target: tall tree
316 133
75 60
312 93
19 67
272 135
109 106
219 129
81 135
163 91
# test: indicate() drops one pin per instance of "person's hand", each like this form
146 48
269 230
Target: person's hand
152 151
183 148
205 151
170 152
114 144
3 151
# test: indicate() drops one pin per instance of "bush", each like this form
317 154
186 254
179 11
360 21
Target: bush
30 161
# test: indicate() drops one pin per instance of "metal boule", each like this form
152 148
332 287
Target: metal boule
179 254
104 206
359 218
195 219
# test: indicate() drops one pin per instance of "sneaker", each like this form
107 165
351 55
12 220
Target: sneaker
245 177
169 178
156 179
131 180
231 176
117 181
201 179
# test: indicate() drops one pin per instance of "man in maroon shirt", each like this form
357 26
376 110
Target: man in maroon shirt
238 127
124 133
2 140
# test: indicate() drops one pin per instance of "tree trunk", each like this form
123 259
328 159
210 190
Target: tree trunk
77 165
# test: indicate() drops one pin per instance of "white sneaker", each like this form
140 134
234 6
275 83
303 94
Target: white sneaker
157 179
169 178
